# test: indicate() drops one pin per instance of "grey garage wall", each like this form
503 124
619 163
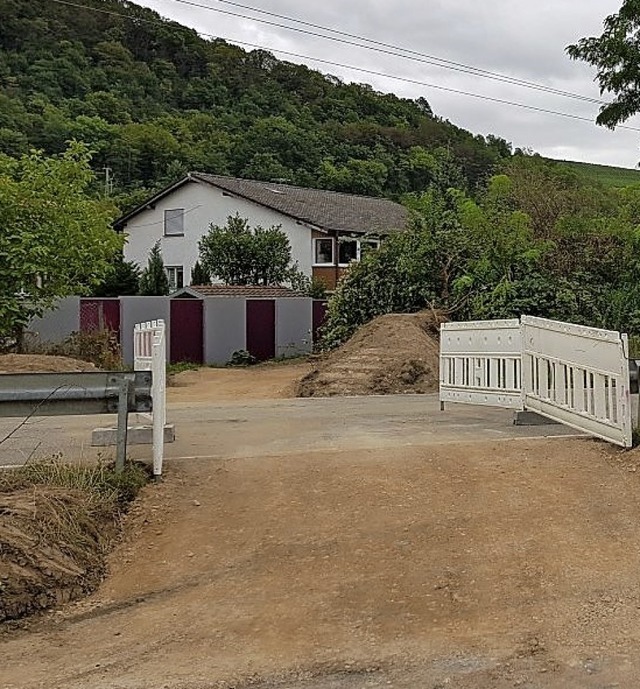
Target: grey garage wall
138 310
225 328
57 324
294 323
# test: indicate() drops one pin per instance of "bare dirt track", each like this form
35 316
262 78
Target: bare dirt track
266 381
485 565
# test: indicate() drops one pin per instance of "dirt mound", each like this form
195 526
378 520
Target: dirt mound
54 538
43 570
395 353
42 363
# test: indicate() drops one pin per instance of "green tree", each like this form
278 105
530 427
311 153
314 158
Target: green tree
122 279
55 240
153 99
154 280
240 255
616 55
199 275
459 256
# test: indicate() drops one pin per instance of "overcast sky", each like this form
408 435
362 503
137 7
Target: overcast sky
521 38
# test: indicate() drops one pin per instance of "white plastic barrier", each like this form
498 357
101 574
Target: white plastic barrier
570 373
480 363
578 376
149 354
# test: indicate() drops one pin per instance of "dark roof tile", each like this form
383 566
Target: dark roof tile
328 210
244 291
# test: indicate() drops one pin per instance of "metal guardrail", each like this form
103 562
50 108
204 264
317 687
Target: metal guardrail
99 392
55 394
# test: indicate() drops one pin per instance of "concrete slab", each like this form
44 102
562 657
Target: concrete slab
136 435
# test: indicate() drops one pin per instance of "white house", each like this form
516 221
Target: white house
326 230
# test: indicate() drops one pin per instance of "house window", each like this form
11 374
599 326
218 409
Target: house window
367 246
348 251
174 222
323 251
175 274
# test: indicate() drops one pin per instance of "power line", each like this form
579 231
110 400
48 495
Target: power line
389 49
345 66
433 86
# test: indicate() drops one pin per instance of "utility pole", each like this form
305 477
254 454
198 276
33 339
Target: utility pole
108 181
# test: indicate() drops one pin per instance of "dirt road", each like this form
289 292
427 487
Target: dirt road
484 565
351 543
266 381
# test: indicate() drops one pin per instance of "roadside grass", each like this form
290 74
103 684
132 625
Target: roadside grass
181 367
98 481
286 360
100 348
241 361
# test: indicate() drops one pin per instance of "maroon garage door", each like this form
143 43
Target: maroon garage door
261 328
100 314
186 331
319 314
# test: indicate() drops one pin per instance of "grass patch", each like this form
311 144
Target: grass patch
100 348
98 480
181 367
607 175
286 360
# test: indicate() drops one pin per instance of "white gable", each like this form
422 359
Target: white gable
203 205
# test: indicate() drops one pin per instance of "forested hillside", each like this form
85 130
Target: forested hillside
493 233
153 99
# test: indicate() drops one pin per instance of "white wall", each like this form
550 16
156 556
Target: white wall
205 205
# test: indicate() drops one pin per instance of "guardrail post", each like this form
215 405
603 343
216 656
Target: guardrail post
124 391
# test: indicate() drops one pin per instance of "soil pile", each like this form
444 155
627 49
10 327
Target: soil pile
41 570
54 538
395 353
42 363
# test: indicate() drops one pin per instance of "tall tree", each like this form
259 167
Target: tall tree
154 99
200 275
55 240
154 281
123 279
238 254
616 55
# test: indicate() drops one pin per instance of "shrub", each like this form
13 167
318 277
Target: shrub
99 347
242 358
